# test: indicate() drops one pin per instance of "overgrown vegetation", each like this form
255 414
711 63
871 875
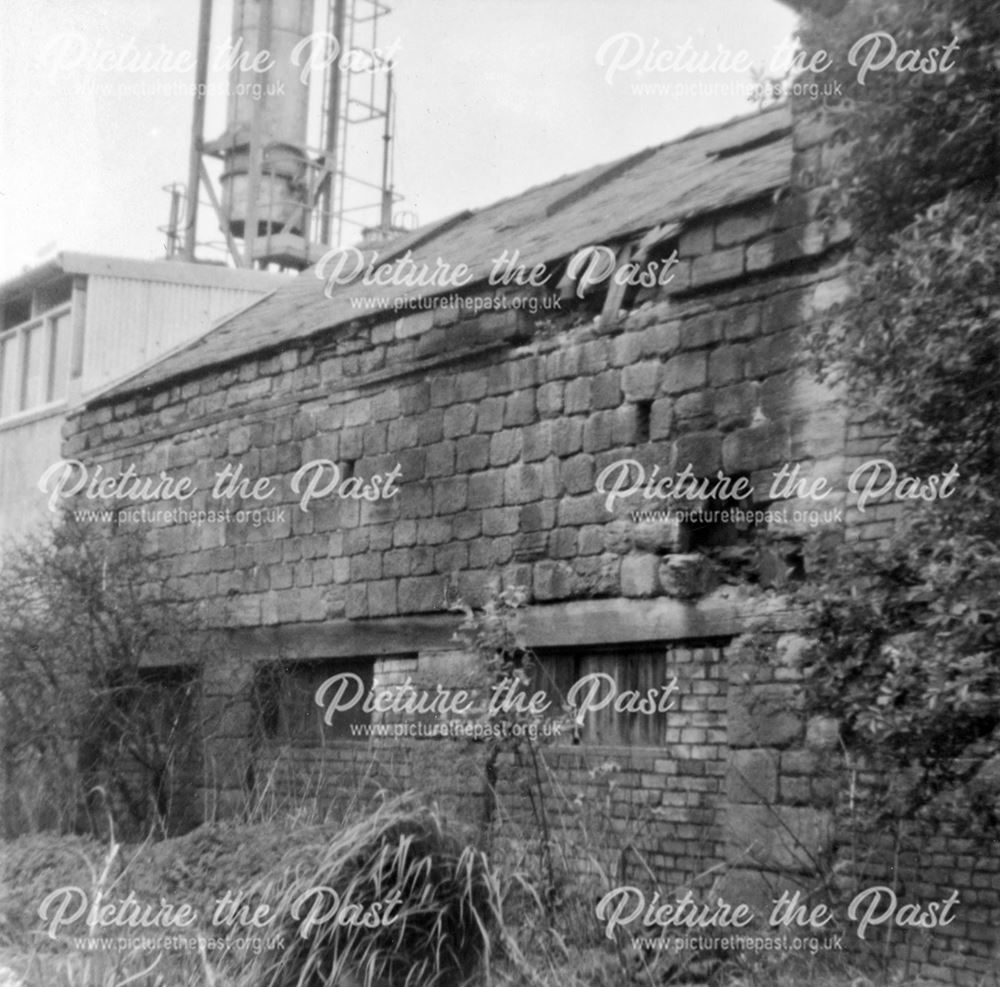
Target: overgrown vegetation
94 733
909 656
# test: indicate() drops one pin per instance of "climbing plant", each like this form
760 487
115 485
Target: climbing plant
908 639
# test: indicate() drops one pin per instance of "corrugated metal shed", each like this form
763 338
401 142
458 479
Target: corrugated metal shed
708 170
132 322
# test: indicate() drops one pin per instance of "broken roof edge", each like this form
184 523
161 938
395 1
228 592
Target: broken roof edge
125 388
593 176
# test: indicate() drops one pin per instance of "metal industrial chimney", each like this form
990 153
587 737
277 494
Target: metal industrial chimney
273 109
278 200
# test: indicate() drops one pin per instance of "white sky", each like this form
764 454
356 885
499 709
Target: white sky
493 96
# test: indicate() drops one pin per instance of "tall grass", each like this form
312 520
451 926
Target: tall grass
443 923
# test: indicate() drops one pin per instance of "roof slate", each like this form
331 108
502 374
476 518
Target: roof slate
705 171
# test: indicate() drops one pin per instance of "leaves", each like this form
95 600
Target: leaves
908 645
916 136
80 615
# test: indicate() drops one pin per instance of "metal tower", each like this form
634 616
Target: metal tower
281 200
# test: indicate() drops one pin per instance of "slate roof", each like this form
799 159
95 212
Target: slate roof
707 170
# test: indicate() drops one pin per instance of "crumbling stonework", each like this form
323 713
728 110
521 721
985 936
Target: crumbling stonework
499 427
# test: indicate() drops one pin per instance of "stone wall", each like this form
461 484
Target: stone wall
501 424
499 441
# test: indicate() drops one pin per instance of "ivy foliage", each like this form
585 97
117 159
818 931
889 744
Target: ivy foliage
908 654
922 121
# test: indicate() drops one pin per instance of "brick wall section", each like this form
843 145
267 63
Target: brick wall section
666 806
948 848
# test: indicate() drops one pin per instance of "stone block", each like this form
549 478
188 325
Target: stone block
459 419
772 354
577 474
355 603
382 598
489 416
752 777
687 576
701 450
626 349
519 409
414 325
698 239
756 448
537 517
785 838
430 428
606 391
577 397
505 447
597 432
585 509
567 436
722 265
684 372
641 380
385 405
375 439
734 406
500 521
433 531
530 481
472 453
451 495
549 399
639 575
743 226
553 581
661 419
470 386
486 489
652 536
537 441
625 429
700 331
662 340
421 594
822 733
727 364
440 459
451 558
764 716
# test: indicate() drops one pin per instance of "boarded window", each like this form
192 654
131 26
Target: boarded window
285 700
615 680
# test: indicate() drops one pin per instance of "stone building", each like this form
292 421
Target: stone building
504 437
